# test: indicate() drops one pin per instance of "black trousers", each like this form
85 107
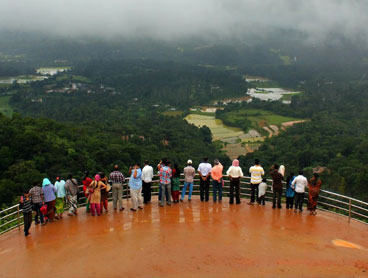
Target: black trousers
36 208
289 202
235 186
27 217
299 198
261 200
277 193
204 187
254 192
146 188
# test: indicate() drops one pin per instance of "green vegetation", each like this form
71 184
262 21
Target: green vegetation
5 108
247 119
288 97
173 113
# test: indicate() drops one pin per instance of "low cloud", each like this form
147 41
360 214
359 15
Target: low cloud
180 19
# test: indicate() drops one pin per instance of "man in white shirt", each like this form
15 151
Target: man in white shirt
204 171
147 175
299 184
256 173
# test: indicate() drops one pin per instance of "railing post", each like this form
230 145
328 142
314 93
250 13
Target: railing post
18 217
349 210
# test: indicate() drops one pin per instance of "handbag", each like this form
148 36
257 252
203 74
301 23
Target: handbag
43 209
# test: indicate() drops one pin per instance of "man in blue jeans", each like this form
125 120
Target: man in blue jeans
189 173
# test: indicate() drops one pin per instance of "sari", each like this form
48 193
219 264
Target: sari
314 188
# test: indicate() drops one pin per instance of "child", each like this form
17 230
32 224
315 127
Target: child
26 205
262 192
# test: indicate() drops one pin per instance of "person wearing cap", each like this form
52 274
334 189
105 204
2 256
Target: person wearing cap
147 175
189 174
204 171
60 197
216 175
117 179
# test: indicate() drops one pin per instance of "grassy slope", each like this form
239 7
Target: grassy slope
259 118
5 107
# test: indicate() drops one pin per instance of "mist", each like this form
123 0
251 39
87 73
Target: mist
181 19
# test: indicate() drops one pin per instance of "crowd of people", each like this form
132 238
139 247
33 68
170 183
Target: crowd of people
48 200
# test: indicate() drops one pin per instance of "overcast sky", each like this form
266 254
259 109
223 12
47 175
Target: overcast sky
172 19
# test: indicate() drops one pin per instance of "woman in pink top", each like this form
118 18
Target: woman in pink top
216 175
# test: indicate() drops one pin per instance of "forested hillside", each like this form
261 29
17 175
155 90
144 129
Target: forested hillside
35 148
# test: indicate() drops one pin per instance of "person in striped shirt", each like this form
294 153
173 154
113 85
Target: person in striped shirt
26 206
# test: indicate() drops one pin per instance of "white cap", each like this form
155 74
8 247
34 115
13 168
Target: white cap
189 161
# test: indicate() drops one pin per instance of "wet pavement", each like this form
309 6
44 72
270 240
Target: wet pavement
190 240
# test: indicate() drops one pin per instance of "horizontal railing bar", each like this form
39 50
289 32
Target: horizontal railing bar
357 213
342 196
334 200
10 214
15 206
11 221
326 204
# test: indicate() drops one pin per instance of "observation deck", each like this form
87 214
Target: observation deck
191 239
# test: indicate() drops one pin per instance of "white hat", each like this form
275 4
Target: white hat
189 161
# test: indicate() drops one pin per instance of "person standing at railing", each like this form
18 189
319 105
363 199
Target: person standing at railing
256 173
117 179
314 188
165 183
299 183
26 205
104 193
36 194
204 171
135 184
71 189
234 173
49 191
262 188
159 166
175 181
277 178
189 174
147 175
60 197
95 195
216 175
86 180
290 192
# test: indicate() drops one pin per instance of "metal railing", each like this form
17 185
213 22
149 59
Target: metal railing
12 217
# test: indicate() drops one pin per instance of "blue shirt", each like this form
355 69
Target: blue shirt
49 193
60 189
136 183
289 190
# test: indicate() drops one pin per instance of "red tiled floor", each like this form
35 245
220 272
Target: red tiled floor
189 240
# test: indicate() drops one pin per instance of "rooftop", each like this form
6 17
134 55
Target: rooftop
190 240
